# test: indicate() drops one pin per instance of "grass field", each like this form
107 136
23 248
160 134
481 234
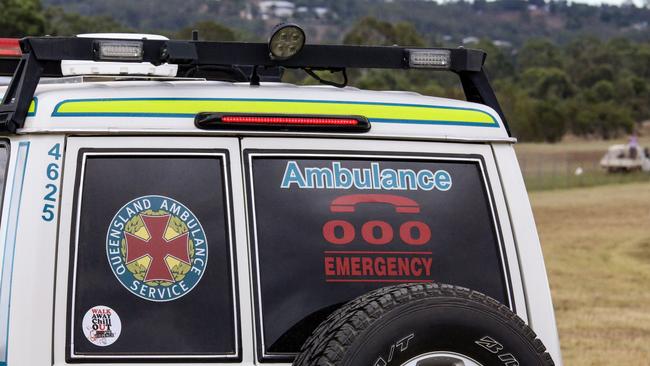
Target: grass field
596 243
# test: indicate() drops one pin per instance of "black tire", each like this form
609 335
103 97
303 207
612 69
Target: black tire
407 321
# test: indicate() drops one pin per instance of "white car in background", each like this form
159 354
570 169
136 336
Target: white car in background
626 158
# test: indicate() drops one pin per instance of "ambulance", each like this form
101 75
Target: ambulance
173 202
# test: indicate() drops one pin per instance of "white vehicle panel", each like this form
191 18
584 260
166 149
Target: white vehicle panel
48 116
33 237
541 315
67 215
37 219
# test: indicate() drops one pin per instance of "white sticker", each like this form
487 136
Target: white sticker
102 326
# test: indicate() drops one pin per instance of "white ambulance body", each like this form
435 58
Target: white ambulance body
103 169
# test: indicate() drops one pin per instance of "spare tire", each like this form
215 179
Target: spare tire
423 325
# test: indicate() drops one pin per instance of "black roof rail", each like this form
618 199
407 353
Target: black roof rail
42 56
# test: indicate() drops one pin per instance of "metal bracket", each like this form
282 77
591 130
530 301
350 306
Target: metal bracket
20 93
478 90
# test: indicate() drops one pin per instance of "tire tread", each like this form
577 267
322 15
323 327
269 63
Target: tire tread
328 343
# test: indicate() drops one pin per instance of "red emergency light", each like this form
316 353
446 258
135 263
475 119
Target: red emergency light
10 47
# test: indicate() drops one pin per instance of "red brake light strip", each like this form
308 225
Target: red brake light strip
291 120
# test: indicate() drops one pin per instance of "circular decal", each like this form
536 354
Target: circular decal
101 326
157 248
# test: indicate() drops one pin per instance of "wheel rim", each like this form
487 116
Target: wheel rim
441 359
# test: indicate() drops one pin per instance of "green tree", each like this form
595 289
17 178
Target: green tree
548 120
633 92
606 120
545 83
641 60
539 52
499 64
62 23
208 31
591 74
371 31
602 91
21 18
539 120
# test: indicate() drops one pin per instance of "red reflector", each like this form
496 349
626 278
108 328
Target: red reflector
10 47
291 120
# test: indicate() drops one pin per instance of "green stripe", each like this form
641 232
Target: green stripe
33 106
178 107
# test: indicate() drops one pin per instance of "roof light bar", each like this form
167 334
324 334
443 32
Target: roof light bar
10 47
429 58
119 50
43 56
218 121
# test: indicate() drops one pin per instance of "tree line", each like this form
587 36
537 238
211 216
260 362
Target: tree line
586 87
22 18
508 20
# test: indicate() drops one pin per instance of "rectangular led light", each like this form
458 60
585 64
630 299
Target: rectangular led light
211 121
120 50
429 58
289 121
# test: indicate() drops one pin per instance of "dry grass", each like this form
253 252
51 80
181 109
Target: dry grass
596 242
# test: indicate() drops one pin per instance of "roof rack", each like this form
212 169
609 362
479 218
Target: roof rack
42 56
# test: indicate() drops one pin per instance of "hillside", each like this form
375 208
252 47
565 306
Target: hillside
558 69
509 21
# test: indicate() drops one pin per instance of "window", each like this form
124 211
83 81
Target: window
327 228
152 271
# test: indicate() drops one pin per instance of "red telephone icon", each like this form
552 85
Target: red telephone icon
348 203
348 232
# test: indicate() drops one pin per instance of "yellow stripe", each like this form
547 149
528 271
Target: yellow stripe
190 107
32 107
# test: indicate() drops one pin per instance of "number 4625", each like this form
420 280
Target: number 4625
51 189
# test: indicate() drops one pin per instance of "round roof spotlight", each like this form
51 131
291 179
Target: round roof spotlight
287 39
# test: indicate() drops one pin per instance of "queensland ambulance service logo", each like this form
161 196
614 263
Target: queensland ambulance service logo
157 248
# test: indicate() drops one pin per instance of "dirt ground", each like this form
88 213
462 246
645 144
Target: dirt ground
596 243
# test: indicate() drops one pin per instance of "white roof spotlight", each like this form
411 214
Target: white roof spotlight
114 50
287 39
